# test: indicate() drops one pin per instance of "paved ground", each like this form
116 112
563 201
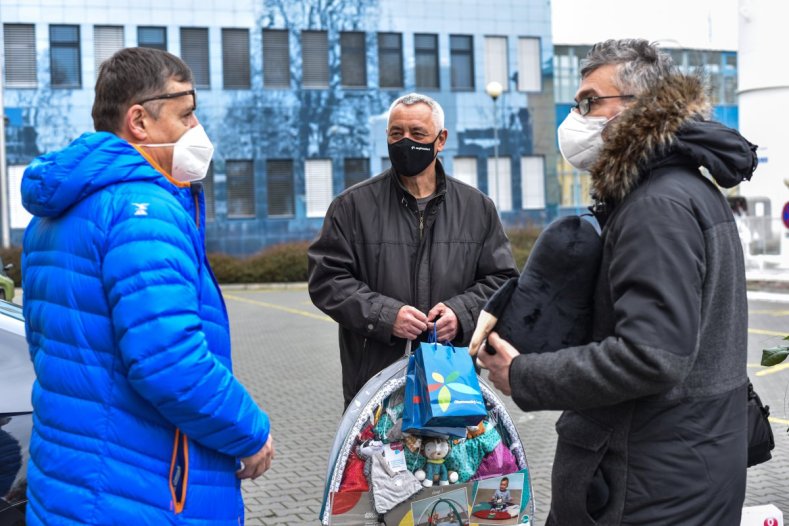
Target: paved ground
286 354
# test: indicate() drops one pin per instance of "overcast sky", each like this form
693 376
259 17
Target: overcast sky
699 24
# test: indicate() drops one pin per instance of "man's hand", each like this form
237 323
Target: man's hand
447 323
498 365
254 466
410 323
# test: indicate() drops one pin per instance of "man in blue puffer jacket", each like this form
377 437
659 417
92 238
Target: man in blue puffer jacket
137 416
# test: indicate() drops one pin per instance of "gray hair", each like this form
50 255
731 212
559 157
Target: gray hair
415 98
640 64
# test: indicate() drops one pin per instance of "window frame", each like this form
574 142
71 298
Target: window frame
457 57
269 55
390 51
205 46
24 53
239 68
233 188
162 46
65 45
433 53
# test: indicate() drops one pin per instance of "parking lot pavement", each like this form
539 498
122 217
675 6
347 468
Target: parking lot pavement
285 352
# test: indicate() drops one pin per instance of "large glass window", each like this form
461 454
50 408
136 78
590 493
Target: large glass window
496 61
529 70
240 189
106 41
533 182
64 57
155 37
353 59
465 169
276 58
318 186
356 171
461 50
194 51
500 182
279 181
426 54
19 42
235 58
315 59
390 60
567 71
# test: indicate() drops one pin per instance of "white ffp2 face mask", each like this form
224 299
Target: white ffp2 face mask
581 138
191 155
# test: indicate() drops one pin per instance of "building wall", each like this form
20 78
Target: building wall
314 130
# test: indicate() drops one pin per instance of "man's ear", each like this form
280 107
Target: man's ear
135 123
442 140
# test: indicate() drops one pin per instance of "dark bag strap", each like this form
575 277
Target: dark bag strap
760 433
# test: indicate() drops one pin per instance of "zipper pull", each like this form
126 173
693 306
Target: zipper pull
421 224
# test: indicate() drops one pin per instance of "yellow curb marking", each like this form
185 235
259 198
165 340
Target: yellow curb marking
778 420
765 332
770 312
299 312
773 369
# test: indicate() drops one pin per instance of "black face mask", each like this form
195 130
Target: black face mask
410 158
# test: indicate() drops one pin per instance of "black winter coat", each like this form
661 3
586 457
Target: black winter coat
377 252
654 427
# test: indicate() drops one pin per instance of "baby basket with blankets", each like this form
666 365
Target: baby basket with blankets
377 474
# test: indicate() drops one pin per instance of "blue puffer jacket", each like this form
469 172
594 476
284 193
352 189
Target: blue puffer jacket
137 416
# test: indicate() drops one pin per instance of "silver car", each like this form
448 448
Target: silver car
16 422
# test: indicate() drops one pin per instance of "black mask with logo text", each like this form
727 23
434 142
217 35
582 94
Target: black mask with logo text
410 158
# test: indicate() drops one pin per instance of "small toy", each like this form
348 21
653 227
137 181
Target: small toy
436 450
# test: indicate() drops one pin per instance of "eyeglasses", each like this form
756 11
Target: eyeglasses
584 106
172 96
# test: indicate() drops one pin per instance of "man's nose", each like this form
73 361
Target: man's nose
195 121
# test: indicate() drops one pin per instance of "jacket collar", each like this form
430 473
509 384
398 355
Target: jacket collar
405 197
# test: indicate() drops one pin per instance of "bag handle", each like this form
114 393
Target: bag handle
432 337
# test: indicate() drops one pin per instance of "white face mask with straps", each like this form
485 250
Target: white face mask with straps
581 139
191 155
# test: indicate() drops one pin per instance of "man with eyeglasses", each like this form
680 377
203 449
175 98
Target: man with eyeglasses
138 418
406 251
654 423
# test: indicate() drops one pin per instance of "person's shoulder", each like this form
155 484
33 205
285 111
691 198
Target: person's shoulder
368 191
467 193
146 200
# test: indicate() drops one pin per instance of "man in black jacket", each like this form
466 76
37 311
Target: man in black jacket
654 422
407 249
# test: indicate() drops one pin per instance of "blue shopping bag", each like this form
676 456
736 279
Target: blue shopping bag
412 413
453 396
442 391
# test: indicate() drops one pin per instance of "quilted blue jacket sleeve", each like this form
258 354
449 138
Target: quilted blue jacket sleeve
151 275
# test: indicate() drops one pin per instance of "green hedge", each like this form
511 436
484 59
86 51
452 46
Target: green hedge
522 239
282 263
276 264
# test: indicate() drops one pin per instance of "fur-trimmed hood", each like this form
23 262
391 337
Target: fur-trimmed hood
669 120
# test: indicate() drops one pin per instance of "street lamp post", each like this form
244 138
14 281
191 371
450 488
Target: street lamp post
494 89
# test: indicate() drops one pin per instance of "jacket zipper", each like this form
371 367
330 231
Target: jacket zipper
179 471
195 189
421 224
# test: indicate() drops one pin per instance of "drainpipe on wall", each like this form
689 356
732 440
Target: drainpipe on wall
4 195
